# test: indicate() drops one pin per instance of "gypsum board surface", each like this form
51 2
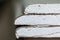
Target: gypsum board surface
42 8
38 20
38 32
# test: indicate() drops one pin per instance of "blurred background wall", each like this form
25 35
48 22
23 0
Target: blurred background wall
7 28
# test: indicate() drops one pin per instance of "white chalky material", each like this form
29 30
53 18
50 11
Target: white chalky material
38 19
43 8
38 32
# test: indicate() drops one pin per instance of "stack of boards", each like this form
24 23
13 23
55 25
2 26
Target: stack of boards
41 15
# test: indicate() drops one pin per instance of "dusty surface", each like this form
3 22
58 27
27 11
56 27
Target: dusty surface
43 8
38 32
38 19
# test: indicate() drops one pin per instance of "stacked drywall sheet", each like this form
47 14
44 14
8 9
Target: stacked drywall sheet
38 32
38 19
43 8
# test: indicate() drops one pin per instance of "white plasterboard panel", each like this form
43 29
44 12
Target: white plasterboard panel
38 32
42 8
38 19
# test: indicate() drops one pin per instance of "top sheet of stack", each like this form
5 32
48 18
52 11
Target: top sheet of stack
42 8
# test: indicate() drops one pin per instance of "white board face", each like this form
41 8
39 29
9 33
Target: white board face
38 32
42 8
38 19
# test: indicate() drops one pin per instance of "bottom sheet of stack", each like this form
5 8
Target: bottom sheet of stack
38 32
